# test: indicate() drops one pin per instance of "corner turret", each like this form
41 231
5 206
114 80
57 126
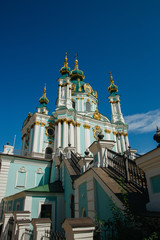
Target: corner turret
43 103
114 100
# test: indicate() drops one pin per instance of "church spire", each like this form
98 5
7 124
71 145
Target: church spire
44 100
112 88
65 70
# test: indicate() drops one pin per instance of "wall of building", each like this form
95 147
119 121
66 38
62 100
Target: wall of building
32 178
68 191
83 201
103 203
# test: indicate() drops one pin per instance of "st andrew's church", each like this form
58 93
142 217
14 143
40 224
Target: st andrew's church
70 161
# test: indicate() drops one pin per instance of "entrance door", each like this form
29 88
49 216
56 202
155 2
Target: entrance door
46 211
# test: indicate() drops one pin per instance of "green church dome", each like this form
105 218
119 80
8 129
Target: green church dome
76 73
65 70
113 89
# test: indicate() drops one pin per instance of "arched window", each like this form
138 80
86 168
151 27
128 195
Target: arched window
74 104
88 107
72 206
48 153
83 212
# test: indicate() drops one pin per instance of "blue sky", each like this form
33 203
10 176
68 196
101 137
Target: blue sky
118 36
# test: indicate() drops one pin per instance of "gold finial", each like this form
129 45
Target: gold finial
111 77
76 61
66 60
44 91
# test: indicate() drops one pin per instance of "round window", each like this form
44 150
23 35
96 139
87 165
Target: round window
50 131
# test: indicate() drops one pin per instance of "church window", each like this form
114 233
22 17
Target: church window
72 206
155 184
46 211
17 206
74 104
48 153
21 177
50 131
88 107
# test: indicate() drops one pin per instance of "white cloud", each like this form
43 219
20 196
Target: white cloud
144 122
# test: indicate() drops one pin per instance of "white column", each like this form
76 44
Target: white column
77 104
55 138
82 104
107 134
59 134
87 135
114 135
65 136
41 137
28 203
72 134
123 143
35 138
30 140
127 140
119 143
78 137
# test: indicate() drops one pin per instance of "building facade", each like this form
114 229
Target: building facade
61 170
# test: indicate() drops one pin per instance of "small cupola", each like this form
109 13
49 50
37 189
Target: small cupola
65 70
43 103
113 89
76 73
44 100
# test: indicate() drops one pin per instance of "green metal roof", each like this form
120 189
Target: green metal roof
55 187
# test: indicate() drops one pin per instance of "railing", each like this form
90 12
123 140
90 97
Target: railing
74 163
28 234
127 169
52 235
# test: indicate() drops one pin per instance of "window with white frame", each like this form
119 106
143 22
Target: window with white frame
39 177
88 106
21 177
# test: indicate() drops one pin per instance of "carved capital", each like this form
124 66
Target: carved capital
86 126
78 124
107 131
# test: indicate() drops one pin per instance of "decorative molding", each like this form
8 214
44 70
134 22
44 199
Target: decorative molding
125 134
36 123
77 98
82 98
71 122
86 126
78 124
114 133
96 130
42 124
107 131
96 115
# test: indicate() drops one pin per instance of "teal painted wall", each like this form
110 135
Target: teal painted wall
53 173
31 169
21 201
103 203
155 183
35 205
68 190
83 202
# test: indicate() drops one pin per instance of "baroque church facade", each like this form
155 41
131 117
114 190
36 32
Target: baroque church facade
61 171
